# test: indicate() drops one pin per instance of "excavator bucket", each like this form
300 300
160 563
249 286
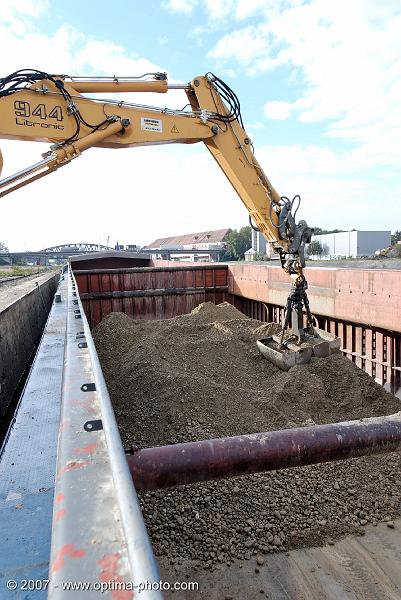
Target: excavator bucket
285 357
289 354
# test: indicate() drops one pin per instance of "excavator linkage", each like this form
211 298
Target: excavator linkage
297 345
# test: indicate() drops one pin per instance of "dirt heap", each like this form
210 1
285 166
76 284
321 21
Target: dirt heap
201 376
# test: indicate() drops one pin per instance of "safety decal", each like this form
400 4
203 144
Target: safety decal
151 124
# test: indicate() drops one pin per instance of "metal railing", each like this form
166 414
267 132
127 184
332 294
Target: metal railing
98 530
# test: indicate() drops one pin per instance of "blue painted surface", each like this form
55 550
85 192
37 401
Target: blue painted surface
27 468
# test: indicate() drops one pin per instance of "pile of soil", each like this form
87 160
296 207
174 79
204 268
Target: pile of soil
201 376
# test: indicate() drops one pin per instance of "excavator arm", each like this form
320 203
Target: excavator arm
37 106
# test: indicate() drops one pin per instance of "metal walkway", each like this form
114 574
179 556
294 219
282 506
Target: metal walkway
28 464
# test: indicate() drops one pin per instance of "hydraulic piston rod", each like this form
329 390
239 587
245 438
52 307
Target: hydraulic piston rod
180 464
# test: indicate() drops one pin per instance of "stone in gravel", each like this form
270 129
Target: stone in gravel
390 524
260 560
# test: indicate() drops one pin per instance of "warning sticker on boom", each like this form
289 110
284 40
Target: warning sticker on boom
151 124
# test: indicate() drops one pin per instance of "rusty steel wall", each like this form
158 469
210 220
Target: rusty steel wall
150 293
366 296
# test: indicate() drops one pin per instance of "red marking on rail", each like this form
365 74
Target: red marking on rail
59 514
73 465
89 449
63 553
109 566
60 497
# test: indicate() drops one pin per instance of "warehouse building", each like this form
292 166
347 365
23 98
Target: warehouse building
352 244
213 241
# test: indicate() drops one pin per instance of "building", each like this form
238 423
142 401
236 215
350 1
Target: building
212 241
260 247
127 247
352 244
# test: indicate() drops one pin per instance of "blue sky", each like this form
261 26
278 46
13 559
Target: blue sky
170 38
319 85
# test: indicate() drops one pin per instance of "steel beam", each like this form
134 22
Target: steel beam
179 464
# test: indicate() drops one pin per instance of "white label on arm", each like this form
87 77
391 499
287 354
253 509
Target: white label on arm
151 124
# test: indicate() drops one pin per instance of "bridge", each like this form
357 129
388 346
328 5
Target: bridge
64 251
79 248
60 252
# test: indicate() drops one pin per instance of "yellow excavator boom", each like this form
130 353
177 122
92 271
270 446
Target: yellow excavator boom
54 109
38 106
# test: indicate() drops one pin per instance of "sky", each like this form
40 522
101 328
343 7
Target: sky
320 90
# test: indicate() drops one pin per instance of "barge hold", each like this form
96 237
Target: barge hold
98 532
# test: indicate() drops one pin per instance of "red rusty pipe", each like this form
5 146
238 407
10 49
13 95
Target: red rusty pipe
179 464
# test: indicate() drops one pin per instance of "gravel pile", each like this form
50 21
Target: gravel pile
201 376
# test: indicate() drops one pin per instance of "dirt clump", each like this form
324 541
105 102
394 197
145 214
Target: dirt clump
200 376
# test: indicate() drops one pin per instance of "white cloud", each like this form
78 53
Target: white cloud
248 8
246 46
222 10
180 6
219 10
10 10
346 58
17 15
278 110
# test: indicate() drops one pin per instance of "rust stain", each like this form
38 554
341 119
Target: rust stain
109 565
60 497
68 550
89 449
73 465
59 514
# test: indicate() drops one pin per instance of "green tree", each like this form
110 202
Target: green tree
238 242
396 237
325 250
3 247
319 231
315 248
